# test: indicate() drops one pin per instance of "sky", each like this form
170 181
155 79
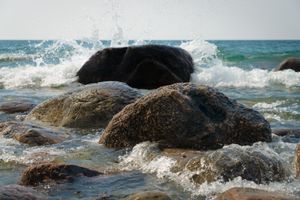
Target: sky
150 19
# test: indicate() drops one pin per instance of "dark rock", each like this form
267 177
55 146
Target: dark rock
149 195
186 115
16 107
287 132
87 107
227 164
290 63
147 66
17 192
50 172
298 160
239 193
31 134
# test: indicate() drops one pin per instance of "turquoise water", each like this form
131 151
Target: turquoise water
38 70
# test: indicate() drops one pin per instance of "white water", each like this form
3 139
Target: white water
146 157
209 69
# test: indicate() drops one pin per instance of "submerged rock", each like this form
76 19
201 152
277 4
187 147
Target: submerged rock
186 115
17 192
227 164
290 63
146 66
239 193
48 172
298 160
31 134
87 107
287 132
16 107
148 195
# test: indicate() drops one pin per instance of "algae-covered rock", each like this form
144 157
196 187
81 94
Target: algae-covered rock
87 107
186 115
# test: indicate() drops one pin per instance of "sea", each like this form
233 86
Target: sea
36 70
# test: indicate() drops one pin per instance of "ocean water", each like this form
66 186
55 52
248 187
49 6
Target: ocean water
244 70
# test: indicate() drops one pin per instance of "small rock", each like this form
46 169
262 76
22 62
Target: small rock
239 193
90 106
48 172
298 160
287 132
290 63
186 115
149 195
17 192
16 107
31 134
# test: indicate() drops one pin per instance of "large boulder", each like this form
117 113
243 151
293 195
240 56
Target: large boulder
17 192
186 115
31 134
50 172
290 63
239 193
254 163
147 66
87 107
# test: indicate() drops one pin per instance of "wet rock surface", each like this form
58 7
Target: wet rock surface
290 63
17 192
31 134
226 164
186 115
253 194
10 107
146 66
87 107
148 195
49 172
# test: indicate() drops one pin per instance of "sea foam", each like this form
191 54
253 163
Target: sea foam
209 68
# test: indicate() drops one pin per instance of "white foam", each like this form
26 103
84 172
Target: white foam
146 157
210 70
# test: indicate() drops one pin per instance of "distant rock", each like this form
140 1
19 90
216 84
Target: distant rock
287 132
146 66
186 115
31 134
239 193
298 160
290 63
90 106
50 172
227 164
16 106
17 192
148 195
